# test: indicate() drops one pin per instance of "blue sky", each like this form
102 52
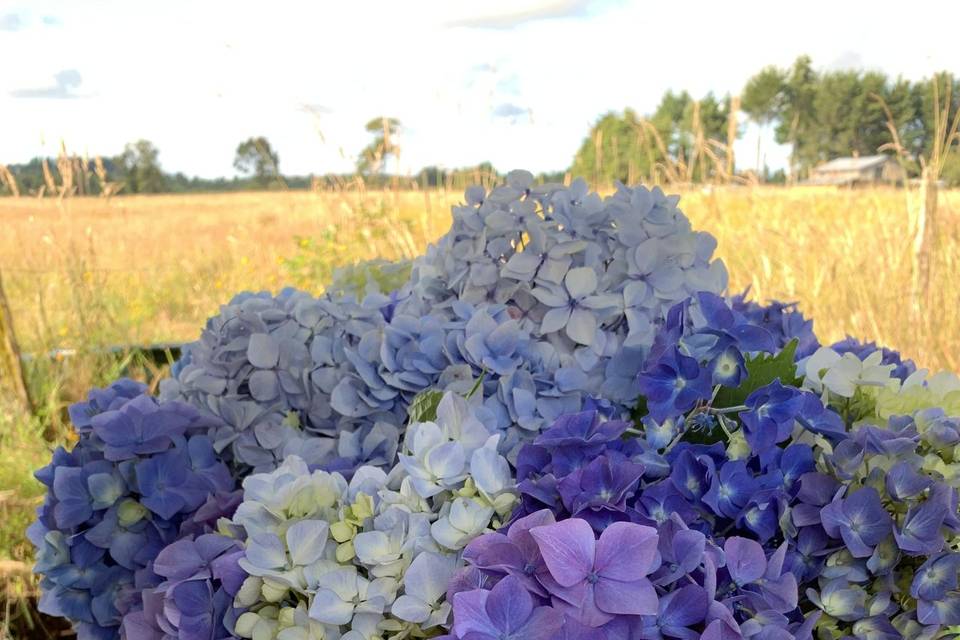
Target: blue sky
515 82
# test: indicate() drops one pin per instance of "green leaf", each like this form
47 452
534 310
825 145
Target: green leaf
761 371
639 411
476 385
424 406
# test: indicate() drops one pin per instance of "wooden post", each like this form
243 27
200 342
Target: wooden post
10 354
732 127
925 239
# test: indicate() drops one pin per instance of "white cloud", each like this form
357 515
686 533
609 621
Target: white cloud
196 78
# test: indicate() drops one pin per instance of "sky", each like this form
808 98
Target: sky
514 82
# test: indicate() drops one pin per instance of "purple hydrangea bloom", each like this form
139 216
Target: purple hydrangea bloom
594 580
598 492
860 520
762 581
506 612
515 553
730 489
678 611
194 601
101 400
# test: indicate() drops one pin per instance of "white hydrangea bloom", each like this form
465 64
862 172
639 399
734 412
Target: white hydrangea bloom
425 583
439 452
406 498
435 462
372 557
365 626
462 522
827 371
490 471
379 548
343 592
291 492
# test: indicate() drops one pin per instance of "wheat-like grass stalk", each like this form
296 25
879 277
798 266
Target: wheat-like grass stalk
9 181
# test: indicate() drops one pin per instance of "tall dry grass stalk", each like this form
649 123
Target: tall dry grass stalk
11 363
107 187
733 129
926 236
65 167
49 184
9 180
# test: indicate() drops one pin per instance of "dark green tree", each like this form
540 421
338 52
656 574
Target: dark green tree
256 158
140 168
948 92
619 147
762 99
786 99
681 135
373 157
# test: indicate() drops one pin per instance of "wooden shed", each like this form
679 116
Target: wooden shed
878 169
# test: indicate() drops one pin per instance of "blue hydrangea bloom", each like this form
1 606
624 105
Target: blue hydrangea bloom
139 471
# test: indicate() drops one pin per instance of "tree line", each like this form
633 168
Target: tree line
821 115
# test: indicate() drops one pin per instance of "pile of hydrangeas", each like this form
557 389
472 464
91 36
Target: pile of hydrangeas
552 425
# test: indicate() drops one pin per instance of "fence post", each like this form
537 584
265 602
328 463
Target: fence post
925 239
10 354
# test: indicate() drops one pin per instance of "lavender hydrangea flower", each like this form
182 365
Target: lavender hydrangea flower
200 578
595 580
506 611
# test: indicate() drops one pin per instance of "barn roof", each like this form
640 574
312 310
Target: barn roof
852 164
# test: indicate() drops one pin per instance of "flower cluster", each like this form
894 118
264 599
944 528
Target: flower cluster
326 556
699 498
546 578
576 286
139 471
197 580
551 425
270 369
550 295
880 516
784 322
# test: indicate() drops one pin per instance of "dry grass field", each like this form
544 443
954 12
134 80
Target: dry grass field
84 273
88 273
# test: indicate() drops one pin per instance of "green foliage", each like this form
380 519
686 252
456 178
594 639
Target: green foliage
825 115
617 148
424 406
761 370
326 262
371 275
373 157
627 148
762 97
140 168
23 451
255 157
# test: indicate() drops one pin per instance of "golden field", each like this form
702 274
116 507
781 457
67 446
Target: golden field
87 273
147 269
